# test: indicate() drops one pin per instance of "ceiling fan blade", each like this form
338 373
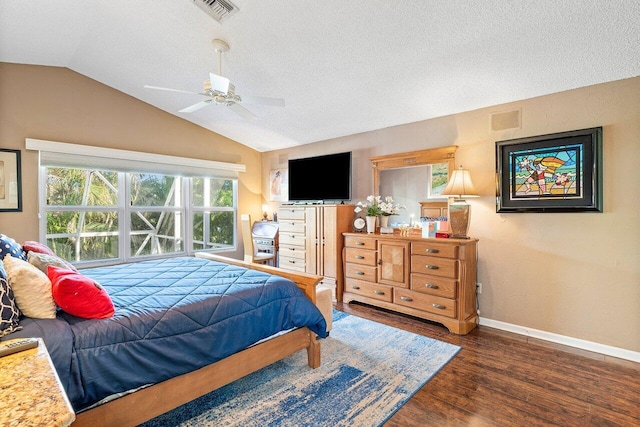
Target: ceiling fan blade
240 110
196 107
219 83
170 90
274 102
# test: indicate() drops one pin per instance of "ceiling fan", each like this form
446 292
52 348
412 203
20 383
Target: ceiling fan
219 90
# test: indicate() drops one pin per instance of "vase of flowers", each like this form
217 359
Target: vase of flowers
388 208
372 211
371 223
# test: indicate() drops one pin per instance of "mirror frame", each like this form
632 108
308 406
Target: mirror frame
410 159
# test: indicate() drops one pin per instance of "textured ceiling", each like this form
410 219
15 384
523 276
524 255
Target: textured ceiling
343 67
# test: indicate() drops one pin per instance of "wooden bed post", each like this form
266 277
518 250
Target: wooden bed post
313 351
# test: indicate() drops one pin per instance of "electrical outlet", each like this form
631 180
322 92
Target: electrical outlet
479 288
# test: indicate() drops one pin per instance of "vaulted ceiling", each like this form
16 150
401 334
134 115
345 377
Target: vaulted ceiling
343 67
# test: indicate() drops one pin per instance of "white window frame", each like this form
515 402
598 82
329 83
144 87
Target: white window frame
52 154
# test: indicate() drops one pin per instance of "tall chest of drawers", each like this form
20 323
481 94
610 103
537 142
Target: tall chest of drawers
311 241
434 279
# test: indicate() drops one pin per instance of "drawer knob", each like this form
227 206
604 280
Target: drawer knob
430 286
377 292
358 257
439 306
405 298
355 287
291 262
359 243
292 249
360 273
431 267
432 251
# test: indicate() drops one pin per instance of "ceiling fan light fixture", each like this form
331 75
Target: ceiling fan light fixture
220 90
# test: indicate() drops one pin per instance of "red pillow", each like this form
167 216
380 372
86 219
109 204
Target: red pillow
79 295
31 245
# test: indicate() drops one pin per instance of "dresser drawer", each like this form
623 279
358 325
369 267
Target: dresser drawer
292 227
361 272
295 264
432 285
291 213
291 251
371 290
293 239
432 304
442 267
434 249
360 256
358 242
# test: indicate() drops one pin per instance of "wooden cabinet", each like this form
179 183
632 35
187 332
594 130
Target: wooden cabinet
311 241
433 279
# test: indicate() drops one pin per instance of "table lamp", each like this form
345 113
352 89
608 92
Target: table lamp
460 187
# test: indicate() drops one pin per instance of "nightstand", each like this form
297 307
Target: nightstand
30 390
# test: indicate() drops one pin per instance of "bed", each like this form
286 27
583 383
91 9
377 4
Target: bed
183 327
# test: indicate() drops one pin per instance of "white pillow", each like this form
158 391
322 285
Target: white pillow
31 288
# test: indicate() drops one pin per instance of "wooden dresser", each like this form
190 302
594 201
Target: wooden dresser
434 279
311 241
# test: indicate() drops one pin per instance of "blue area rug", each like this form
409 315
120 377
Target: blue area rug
368 372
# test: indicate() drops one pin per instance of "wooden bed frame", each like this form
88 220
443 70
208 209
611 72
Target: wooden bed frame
147 403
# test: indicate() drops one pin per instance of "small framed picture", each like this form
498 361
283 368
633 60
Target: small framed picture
560 172
279 185
10 181
437 180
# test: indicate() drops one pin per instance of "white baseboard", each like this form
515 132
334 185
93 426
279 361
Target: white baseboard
608 350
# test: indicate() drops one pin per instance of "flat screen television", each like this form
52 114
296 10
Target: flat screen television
320 178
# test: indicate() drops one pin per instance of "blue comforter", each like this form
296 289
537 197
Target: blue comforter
172 316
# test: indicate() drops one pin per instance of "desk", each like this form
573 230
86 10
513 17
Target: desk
265 238
30 390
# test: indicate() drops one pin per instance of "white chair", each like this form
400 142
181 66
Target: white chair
250 253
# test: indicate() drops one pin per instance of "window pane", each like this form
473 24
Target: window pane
212 192
154 190
198 231
86 222
68 187
220 229
89 248
156 233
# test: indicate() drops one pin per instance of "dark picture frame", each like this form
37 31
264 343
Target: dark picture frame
560 172
10 181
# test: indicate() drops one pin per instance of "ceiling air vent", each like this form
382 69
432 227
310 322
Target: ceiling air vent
217 9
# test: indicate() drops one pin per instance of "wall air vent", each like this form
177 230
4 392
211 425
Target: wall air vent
217 9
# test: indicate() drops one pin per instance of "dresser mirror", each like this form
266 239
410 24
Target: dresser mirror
414 179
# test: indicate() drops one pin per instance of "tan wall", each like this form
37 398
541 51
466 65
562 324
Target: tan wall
573 274
57 104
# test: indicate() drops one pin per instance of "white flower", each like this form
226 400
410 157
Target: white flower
389 208
372 206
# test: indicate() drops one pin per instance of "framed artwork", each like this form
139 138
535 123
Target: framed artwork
437 180
10 181
278 185
560 172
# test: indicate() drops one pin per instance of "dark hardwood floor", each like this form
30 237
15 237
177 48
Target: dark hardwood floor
505 379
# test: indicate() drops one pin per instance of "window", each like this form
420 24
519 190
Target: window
95 216
101 205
